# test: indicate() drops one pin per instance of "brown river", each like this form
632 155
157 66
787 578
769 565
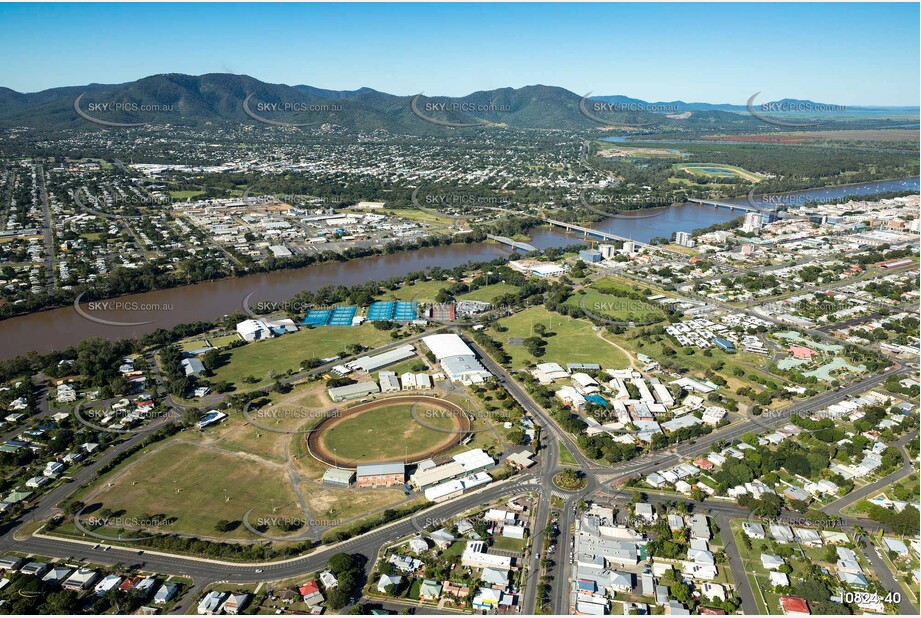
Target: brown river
59 328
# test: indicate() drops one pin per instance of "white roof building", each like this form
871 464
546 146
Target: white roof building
443 346
475 556
211 602
254 330
456 358
108 583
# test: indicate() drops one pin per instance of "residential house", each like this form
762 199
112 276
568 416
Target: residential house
235 603
211 603
794 606
388 583
430 591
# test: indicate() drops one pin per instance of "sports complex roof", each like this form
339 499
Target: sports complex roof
443 346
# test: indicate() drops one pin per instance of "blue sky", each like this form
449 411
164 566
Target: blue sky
853 54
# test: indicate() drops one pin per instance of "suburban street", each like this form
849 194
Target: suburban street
864 546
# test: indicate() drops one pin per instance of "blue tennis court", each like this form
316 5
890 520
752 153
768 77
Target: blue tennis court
342 316
317 317
337 316
405 311
381 310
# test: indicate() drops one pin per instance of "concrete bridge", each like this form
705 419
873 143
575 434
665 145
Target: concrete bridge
521 246
728 205
587 231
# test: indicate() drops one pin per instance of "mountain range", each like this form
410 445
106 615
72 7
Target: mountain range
179 99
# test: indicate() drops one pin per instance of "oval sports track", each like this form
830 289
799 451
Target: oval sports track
452 436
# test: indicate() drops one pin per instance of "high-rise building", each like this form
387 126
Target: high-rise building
607 251
753 221
684 239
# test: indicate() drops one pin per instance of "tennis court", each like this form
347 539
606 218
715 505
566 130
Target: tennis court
405 311
316 317
342 316
337 316
381 310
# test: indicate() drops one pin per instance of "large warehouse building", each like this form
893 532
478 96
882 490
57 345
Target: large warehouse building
373 363
381 475
456 358
462 464
353 391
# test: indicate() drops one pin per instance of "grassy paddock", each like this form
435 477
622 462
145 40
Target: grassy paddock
575 340
488 293
199 486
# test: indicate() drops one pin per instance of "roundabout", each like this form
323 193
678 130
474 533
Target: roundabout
408 428
570 480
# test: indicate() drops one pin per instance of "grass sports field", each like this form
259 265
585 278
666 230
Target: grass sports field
387 431
186 477
429 217
184 195
421 291
489 292
285 353
575 341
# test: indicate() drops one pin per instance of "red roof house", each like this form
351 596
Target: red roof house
309 589
799 351
794 606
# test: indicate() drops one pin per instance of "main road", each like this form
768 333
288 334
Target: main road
551 437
